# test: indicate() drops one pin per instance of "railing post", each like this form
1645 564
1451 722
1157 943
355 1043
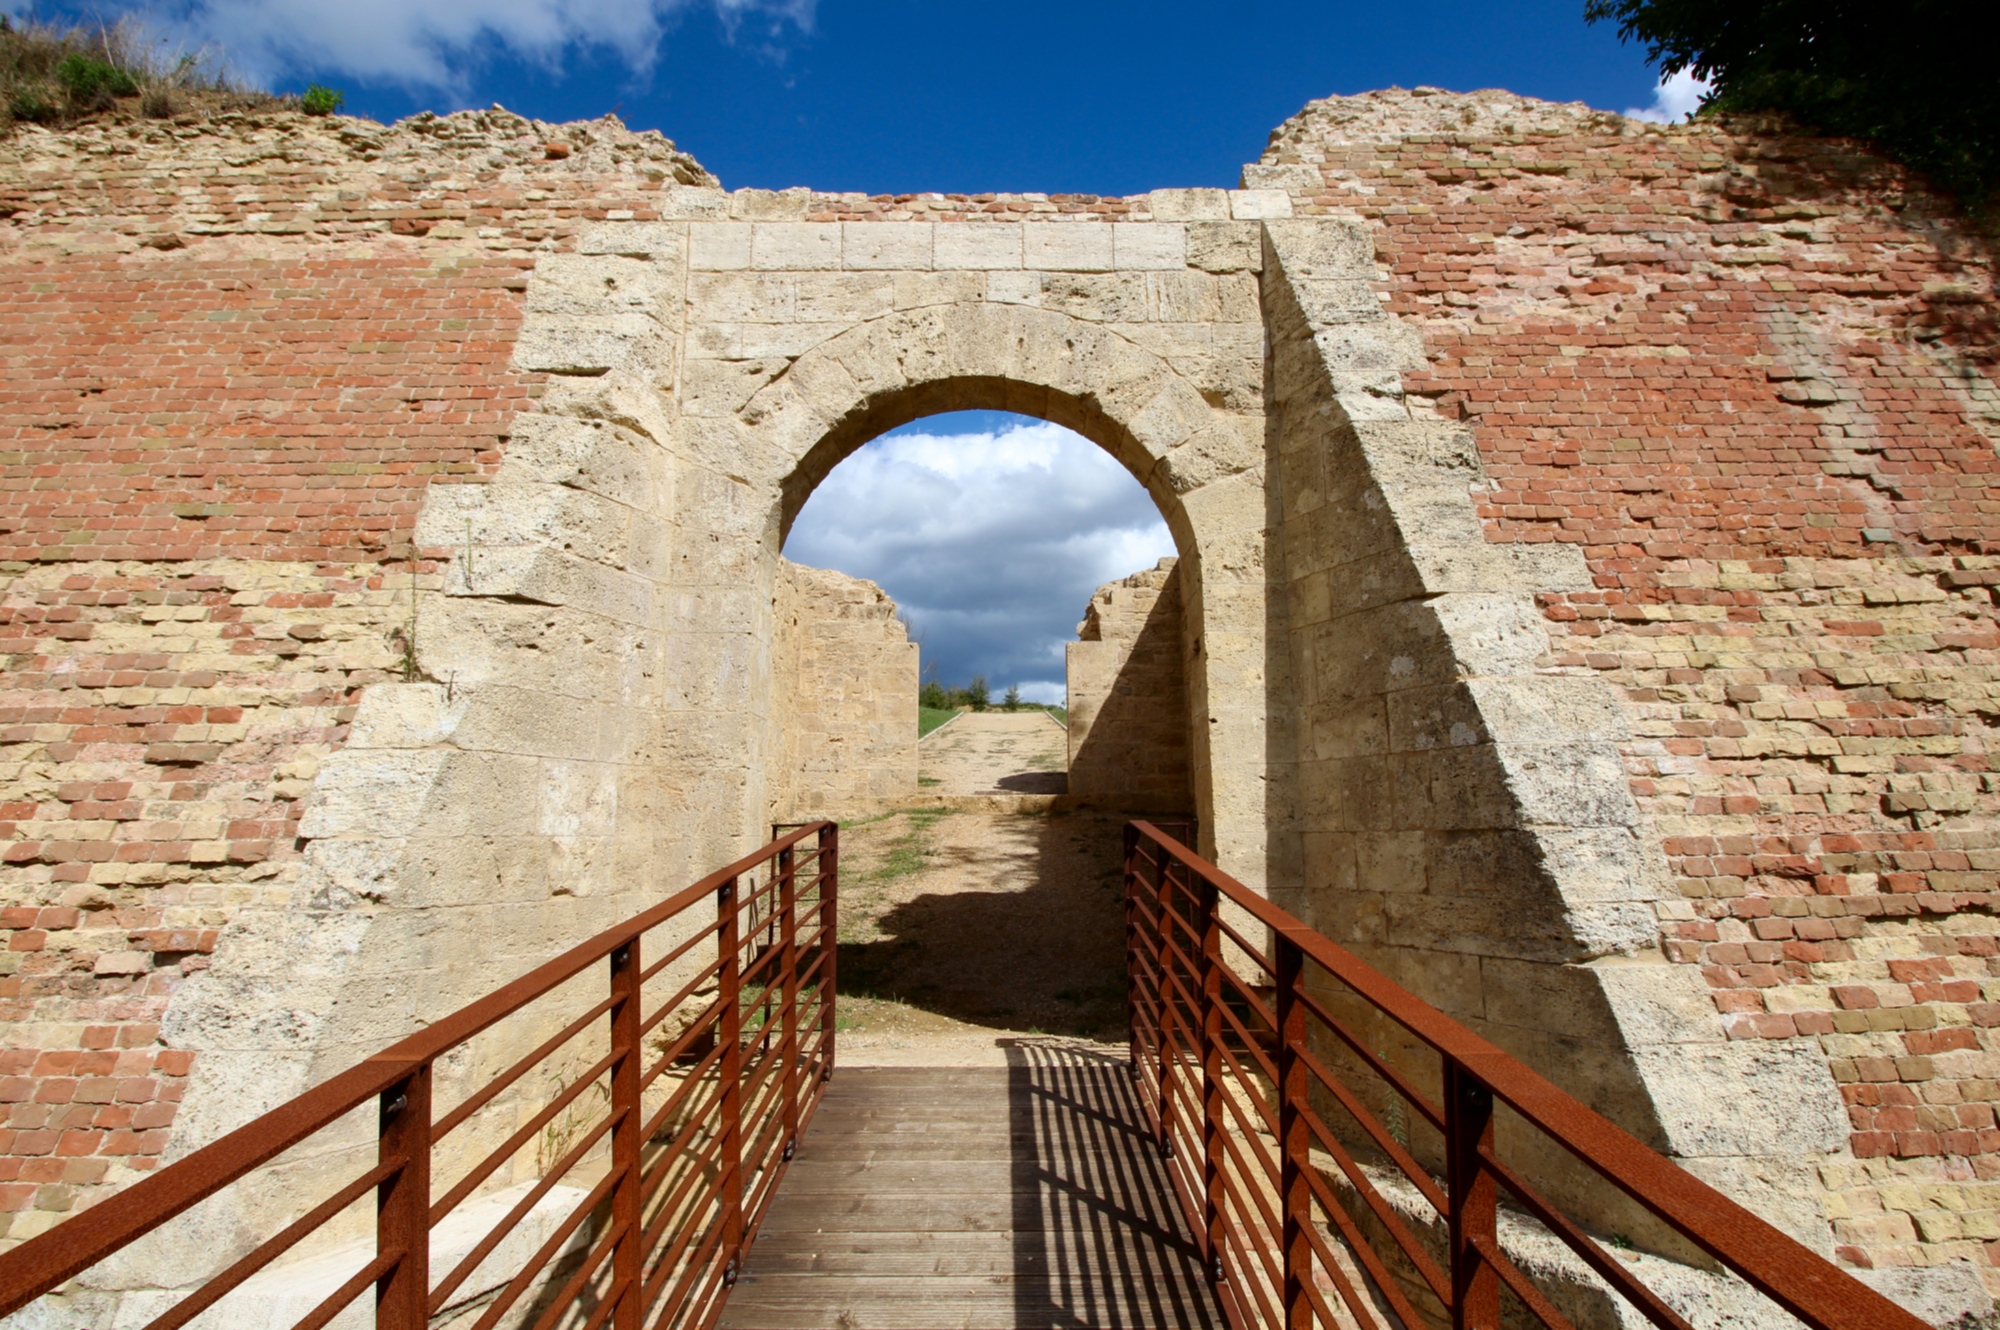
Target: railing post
1131 947
1212 1087
1294 1142
403 1203
788 994
730 1180
1163 901
829 932
1474 1195
626 1258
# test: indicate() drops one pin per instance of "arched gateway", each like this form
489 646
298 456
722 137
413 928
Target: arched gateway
1388 737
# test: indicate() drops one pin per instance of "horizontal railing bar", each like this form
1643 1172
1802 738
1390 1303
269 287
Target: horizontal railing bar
334 1303
520 1282
1419 1177
1342 1285
672 1004
506 1078
1254 1200
697 1258
1398 1082
705 933
1251 996
696 1075
508 1148
1385 1214
565 1301
46 1260
195 1303
1781 1268
1249 948
1611 1271
1264 1064
1371 1260
498 1233
1232 1253
1254 1203
681 1192
1510 1275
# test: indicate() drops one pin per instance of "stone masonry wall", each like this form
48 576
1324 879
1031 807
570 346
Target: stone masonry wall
843 694
239 359
1751 378
232 358
1724 398
1127 690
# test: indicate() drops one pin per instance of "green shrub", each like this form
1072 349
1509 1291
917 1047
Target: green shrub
934 696
88 80
29 104
320 100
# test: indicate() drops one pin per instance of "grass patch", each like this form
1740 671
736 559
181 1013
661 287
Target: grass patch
54 75
929 718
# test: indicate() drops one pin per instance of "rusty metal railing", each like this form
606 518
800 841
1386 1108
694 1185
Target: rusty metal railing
1312 1210
669 1100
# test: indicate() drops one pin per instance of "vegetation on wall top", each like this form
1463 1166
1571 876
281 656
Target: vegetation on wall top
1915 79
54 75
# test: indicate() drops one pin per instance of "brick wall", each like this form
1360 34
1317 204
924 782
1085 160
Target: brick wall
1752 377
232 357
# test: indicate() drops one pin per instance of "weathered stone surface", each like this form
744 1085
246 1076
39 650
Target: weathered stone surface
1127 696
1586 596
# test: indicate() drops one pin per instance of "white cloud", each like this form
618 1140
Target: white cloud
991 542
430 43
1674 100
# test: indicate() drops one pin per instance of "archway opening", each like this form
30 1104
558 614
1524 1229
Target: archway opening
1036 579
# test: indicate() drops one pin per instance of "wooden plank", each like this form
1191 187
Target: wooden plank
972 1198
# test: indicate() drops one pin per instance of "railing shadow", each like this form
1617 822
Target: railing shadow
1099 1240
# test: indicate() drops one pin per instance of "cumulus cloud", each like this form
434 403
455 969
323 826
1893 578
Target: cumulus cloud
990 539
432 43
1676 98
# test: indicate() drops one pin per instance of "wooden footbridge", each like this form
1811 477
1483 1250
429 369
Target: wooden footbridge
1264 1156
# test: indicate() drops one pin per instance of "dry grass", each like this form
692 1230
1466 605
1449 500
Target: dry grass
55 75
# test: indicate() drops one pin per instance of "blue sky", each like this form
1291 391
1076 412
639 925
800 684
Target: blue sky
893 96
990 531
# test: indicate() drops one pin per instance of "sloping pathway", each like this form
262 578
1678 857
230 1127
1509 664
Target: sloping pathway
996 752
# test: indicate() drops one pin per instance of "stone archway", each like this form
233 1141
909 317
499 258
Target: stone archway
1202 465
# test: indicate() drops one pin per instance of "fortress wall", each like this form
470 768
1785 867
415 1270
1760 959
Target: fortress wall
843 695
1127 689
1750 378
233 357
1719 404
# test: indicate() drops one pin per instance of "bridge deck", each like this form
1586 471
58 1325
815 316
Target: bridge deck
975 1199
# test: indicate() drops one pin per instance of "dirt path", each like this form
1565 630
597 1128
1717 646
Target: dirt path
960 929
996 752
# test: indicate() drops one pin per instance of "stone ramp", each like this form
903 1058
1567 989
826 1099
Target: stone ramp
957 1198
995 753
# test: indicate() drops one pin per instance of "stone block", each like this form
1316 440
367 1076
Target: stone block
795 246
1149 245
719 246
977 245
640 240
1067 246
1188 205
886 245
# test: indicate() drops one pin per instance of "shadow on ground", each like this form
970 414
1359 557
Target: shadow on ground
1040 952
